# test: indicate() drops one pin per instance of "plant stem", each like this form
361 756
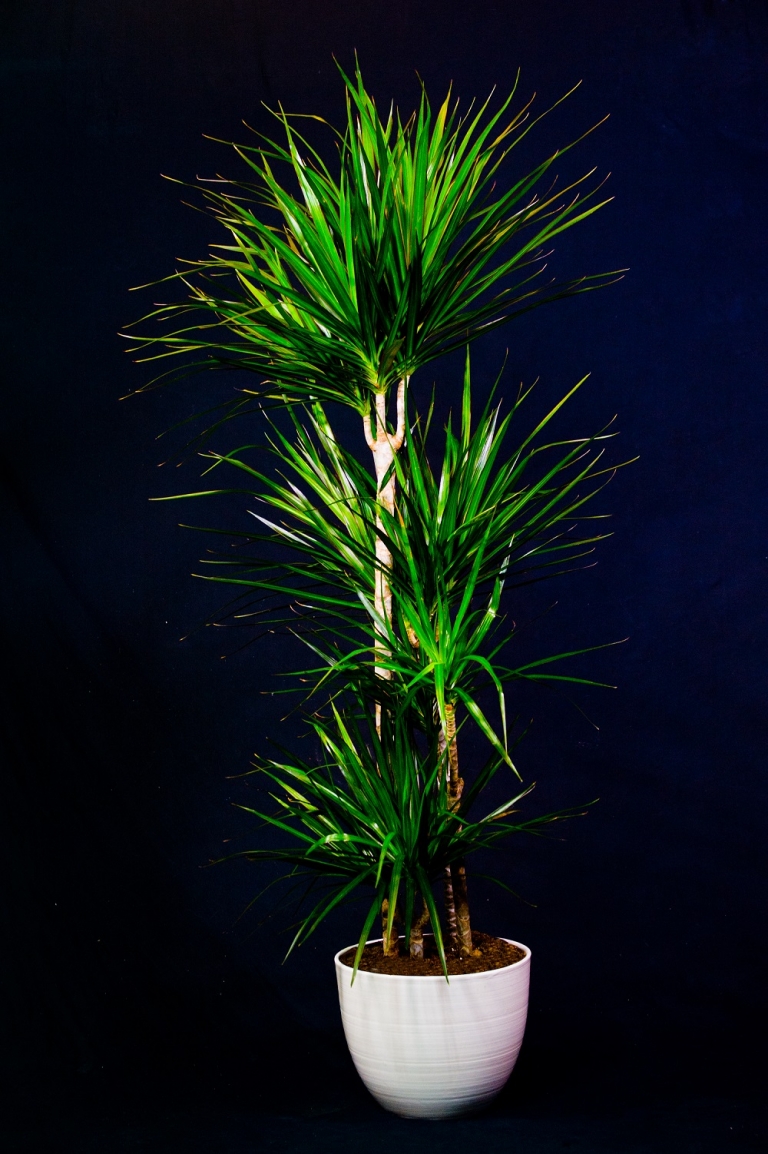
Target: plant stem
448 897
390 942
455 783
416 943
456 897
459 873
384 447
449 903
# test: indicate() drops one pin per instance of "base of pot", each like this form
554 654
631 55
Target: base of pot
427 1048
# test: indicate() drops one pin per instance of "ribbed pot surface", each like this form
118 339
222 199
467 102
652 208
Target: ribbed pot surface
427 1048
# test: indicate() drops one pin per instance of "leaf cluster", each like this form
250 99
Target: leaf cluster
373 813
356 278
492 518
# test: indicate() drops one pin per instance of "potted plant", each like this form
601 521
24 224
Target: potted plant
335 287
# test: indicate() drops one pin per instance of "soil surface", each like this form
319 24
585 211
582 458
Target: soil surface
493 954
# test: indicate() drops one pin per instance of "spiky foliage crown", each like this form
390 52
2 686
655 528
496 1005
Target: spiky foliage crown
355 280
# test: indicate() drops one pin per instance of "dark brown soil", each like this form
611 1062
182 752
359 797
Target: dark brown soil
494 954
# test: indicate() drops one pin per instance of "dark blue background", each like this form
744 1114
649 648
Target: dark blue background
131 990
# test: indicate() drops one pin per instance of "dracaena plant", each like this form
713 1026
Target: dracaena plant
336 284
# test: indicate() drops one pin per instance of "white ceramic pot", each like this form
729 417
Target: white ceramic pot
427 1048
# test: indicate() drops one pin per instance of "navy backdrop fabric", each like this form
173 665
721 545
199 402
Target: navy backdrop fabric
121 951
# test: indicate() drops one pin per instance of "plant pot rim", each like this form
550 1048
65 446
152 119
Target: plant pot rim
434 977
